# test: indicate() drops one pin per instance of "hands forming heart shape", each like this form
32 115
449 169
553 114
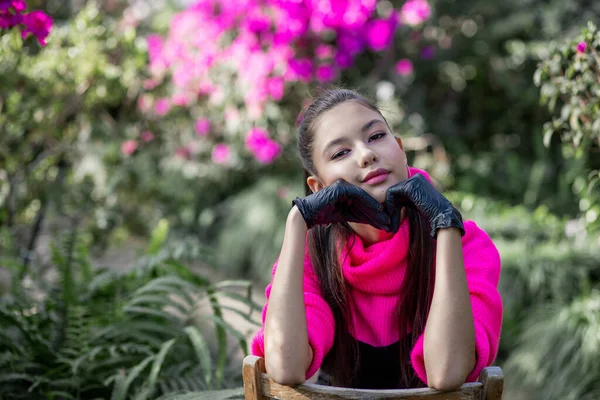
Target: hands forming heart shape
343 201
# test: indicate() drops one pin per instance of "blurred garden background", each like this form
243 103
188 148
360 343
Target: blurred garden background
148 162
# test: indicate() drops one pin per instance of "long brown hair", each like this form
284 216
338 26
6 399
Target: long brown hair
326 245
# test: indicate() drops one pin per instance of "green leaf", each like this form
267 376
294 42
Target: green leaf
122 383
202 352
158 237
157 365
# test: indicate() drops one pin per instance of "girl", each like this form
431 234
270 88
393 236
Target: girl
379 283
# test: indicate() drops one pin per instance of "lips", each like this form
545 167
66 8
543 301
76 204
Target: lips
377 175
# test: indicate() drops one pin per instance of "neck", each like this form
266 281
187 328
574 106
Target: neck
371 235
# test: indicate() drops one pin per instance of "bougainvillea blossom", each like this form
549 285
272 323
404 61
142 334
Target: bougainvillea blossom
129 147
415 12
264 149
221 154
37 23
404 67
264 41
251 51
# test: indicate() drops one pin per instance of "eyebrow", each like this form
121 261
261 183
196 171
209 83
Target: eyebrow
340 140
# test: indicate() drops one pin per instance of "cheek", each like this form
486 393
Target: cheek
334 173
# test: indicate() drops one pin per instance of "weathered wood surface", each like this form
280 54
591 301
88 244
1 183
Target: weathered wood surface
493 383
469 391
258 386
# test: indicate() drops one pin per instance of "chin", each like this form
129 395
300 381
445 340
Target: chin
379 194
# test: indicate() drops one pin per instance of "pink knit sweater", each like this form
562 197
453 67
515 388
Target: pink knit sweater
375 275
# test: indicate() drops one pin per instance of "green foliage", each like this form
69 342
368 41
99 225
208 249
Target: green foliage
56 105
120 334
569 75
549 285
252 226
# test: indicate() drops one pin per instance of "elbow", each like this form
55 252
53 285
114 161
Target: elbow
288 378
284 373
446 382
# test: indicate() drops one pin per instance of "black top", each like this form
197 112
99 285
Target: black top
379 367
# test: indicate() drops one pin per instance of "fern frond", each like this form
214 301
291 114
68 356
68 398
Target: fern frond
160 301
202 352
157 365
122 381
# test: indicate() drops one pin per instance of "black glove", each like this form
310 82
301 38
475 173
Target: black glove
418 192
342 201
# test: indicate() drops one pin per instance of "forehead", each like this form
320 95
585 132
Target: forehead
345 119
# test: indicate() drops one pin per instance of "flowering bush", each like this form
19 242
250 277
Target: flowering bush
225 66
65 109
569 75
35 22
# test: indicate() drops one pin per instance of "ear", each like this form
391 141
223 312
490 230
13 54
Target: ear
314 183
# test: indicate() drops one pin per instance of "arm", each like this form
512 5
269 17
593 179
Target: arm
449 339
287 351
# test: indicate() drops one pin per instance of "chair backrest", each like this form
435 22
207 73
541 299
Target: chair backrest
258 386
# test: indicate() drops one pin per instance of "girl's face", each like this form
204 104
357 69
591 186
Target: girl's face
353 143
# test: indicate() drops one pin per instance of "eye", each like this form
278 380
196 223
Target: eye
377 136
339 154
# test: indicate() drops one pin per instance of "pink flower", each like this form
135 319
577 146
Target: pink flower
162 107
414 12
202 126
221 154
300 69
404 67
380 34
8 20
325 73
147 136
270 151
128 147
350 43
343 59
155 48
39 24
275 87
581 47
261 146
17 5
256 138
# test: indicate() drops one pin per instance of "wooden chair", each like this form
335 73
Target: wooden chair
258 386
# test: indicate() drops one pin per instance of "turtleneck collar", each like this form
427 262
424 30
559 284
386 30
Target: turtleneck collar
378 268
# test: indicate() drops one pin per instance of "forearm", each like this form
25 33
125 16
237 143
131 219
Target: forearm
449 342
287 352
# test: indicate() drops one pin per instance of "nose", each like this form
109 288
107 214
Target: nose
366 156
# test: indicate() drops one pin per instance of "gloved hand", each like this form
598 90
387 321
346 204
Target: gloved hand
418 192
342 201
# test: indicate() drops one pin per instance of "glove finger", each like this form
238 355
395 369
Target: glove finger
378 219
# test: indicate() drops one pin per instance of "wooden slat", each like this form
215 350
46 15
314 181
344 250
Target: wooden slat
252 370
307 391
493 383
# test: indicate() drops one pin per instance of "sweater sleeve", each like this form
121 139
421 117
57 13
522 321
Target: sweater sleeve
482 267
320 322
